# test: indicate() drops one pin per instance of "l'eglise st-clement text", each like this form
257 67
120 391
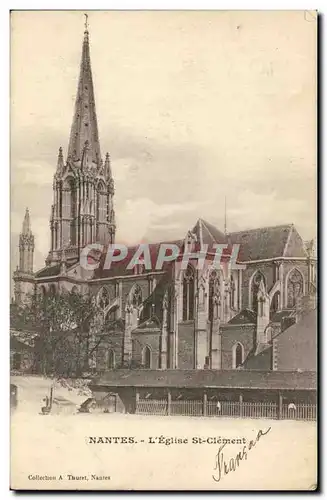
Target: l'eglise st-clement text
165 440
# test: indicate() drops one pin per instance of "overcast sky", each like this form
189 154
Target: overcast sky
192 106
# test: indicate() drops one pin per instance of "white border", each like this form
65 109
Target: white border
4 195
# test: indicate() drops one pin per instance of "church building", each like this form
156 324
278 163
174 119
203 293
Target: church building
171 318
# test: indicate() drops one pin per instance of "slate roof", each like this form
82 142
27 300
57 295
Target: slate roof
226 379
262 243
50 271
243 317
261 361
151 324
208 234
296 348
297 345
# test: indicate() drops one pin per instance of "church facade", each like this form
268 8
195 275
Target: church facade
171 318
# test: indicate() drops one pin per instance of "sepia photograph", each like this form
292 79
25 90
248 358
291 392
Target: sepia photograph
163 253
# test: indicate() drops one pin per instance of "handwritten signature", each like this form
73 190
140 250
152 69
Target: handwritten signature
224 467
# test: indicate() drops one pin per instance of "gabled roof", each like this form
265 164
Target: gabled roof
243 317
50 271
208 234
262 243
151 324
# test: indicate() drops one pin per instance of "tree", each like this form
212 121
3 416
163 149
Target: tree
67 329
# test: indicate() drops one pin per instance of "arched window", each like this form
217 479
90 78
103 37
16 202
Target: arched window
255 283
237 355
146 357
74 289
72 187
103 298
188 294
101 203
111 360
43 291
214 295
52 290
294 287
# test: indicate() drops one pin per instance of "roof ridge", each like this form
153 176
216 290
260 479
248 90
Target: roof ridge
289 225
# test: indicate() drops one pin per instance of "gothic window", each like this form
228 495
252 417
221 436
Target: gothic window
101 203
188 294
255 288
237 355
52 290
103 298
72 199
294 287
43 291
136 297
146 357
74 289
111 359
214 295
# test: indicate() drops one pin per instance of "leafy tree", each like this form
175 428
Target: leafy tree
66 328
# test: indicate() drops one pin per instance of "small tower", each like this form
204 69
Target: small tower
26 246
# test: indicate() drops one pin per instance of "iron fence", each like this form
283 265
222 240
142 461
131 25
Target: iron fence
234 409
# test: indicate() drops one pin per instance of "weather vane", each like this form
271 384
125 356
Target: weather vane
86 23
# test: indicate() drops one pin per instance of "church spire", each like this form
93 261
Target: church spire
26 246
85 127
26 228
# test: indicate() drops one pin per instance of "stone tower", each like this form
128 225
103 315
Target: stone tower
26 246
23 276
83 187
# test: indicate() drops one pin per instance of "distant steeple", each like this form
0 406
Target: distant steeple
85 127
26 246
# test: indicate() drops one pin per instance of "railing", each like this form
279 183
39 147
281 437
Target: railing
234 409
299 412
223 408
151 407
184 407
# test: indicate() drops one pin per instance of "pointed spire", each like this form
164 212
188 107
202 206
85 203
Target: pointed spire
60 162
107 167
85 127
26 229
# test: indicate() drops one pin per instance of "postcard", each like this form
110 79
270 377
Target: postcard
163 317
